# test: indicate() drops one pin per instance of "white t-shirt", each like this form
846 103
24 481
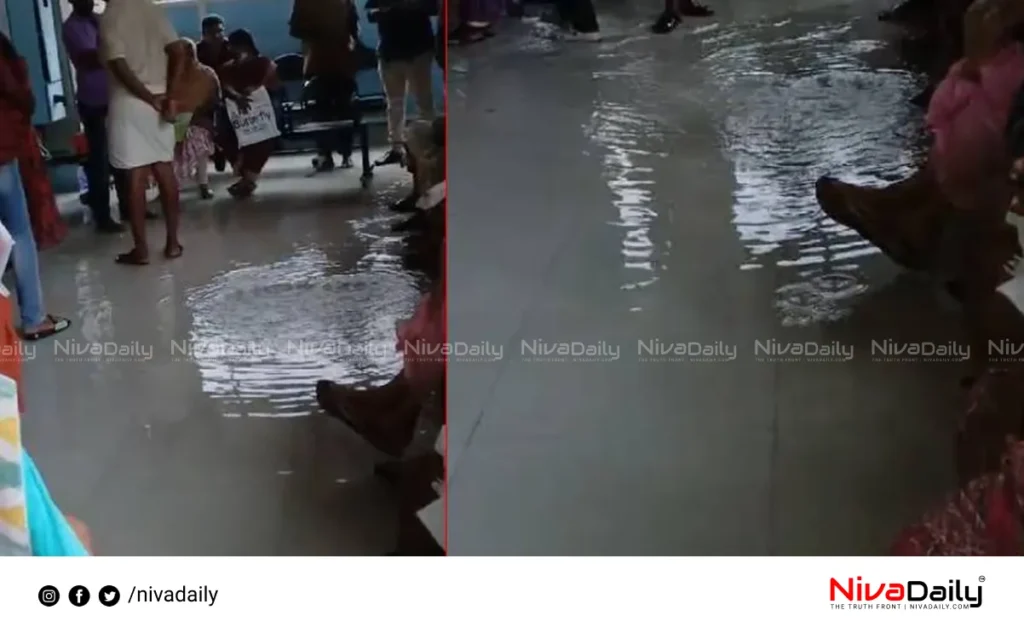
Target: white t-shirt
139 32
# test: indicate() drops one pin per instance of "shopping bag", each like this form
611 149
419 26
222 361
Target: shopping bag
258 123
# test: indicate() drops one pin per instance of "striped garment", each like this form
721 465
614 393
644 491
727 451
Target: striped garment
14 534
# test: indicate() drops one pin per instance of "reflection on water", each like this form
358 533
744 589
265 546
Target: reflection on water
263 335
802 102
791 100
622 133
800 106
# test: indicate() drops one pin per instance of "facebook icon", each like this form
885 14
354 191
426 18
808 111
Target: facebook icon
79 596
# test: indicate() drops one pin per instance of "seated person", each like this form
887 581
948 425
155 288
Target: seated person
425 161
386 416
961 191
425 228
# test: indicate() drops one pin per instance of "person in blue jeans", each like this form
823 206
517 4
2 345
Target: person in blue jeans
36 323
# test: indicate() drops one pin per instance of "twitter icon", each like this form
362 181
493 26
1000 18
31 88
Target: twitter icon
109 596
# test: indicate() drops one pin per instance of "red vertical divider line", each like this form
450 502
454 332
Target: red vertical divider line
444 73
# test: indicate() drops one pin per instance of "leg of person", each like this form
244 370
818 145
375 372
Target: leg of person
904 219
565 11
693 9
346 88
394 76
35 322
421 84
134 205
203 176
252 160
323 111
97 168
170 202
384 416
584 20
668 20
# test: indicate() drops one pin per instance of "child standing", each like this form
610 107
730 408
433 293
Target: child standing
195 144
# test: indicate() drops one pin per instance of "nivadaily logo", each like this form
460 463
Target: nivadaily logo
913 594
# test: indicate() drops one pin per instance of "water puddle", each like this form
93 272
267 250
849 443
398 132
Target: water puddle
790 100
263 335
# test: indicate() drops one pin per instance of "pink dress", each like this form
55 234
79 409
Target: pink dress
423 338
198 144
968 118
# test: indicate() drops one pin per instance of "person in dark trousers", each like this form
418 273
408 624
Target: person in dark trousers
213 51
81 35
406 53
579 17
674 12
330 67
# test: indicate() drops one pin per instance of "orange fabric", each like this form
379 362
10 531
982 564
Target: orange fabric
10 346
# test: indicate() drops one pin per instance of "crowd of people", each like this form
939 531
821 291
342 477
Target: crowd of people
958 219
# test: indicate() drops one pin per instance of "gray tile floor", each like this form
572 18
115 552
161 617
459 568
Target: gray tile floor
200 436
662 187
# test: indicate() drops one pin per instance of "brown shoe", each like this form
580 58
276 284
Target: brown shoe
388 424
895 236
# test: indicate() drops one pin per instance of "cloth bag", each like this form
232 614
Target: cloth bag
258 123
968 118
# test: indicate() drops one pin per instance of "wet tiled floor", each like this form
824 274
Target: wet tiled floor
177 416
661 188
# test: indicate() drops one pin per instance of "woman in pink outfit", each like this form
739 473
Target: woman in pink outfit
963 184
386 416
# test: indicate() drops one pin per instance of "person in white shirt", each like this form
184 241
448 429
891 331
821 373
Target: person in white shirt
146 60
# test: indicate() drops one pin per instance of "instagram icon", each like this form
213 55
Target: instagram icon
49 596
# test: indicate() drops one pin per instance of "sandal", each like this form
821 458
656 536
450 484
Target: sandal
242 189
174 252
58 325
132 258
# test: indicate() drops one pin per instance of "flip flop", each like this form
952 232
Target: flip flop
59 325
131 258
174 253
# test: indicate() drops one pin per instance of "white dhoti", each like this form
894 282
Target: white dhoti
137 134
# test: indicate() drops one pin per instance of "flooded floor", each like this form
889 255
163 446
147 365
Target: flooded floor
177 416
685 356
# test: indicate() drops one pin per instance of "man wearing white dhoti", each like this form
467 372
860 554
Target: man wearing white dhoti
146 59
